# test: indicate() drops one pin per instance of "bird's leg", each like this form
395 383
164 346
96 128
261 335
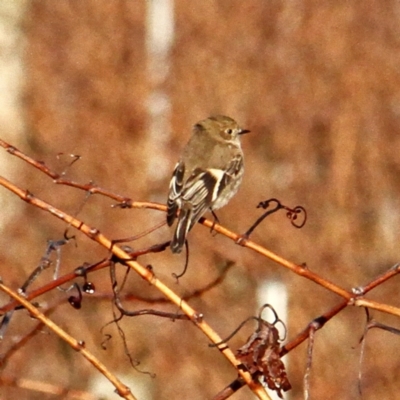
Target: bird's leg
216 220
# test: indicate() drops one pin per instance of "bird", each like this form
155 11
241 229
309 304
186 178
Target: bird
207 175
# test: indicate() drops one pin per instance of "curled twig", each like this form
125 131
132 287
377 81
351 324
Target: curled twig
292 213
177 276
260 355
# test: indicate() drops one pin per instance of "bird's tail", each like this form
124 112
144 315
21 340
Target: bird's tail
182 228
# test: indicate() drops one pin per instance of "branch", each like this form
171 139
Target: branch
145 273
79 346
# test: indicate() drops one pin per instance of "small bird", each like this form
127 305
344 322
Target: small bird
207 175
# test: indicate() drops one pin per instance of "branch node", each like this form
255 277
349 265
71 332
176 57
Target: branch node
81 344
198 318
93 232
358 291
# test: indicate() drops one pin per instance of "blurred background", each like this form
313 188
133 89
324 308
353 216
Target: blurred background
121 84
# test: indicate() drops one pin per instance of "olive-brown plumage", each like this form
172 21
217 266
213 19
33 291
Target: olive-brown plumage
207 175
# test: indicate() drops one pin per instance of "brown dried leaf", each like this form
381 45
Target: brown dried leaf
260 356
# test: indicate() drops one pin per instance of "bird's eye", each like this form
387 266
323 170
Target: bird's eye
229 131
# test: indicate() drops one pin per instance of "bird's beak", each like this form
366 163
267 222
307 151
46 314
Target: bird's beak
243 131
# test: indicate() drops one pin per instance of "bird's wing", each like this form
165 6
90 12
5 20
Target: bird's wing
198 193
230 173
203 187
175 189
200 190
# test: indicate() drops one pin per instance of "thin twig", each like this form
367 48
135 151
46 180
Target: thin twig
77 345
144 272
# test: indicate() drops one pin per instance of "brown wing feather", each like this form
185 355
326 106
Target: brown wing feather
175 189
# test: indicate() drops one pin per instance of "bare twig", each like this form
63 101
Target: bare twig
144 272
77 345
46 388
